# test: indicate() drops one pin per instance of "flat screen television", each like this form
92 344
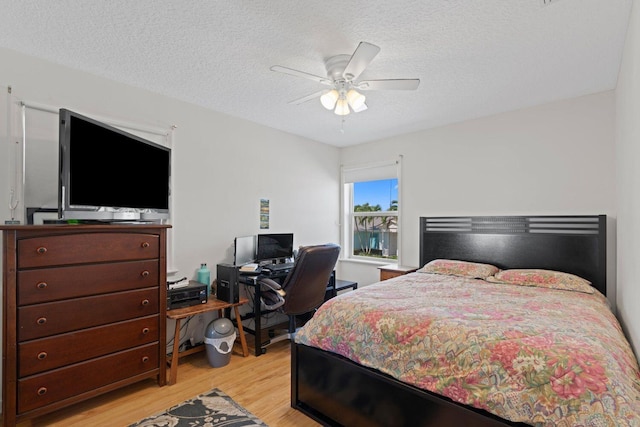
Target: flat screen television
107 174
274 246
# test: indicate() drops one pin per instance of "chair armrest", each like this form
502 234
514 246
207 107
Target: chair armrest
272 284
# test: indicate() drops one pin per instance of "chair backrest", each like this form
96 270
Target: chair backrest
306 284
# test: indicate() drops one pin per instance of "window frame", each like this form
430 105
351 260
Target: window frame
364 173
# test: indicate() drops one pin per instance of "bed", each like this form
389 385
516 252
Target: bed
493 352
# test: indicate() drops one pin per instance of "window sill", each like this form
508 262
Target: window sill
368 262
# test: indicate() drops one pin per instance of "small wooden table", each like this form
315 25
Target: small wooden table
182 313
394 270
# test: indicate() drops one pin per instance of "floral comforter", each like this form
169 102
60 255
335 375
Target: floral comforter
540 356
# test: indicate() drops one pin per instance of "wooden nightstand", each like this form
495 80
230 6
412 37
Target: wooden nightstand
394 270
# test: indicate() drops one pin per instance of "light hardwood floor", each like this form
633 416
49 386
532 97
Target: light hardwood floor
259 384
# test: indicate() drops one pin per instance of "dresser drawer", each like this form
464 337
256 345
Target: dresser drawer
51 284
43 389
61 350
85 248
385 275
42 320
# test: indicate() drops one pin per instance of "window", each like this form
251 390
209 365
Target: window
371 212
375 218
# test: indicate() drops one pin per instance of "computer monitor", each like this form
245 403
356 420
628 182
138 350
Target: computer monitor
244 250
274 246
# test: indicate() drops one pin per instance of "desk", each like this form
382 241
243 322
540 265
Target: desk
333 287
182 313
337 285
252 281
345 284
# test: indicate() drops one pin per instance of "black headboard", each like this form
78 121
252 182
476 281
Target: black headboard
572 244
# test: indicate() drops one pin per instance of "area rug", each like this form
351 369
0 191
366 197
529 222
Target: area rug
210 409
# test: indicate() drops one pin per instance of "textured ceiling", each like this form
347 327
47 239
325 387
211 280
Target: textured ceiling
474 57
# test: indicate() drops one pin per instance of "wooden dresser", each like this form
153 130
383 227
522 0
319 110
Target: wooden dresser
84 311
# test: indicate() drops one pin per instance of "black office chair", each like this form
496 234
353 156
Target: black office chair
303 290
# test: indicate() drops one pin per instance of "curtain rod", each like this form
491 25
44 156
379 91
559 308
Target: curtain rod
371 165
130 126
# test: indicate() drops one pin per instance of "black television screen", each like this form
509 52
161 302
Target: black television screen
109 174
274 246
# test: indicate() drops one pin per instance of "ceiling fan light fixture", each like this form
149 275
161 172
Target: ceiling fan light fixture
356 100
329 99
342 107
343 94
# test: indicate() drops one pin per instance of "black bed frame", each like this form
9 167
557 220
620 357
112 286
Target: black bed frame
338 392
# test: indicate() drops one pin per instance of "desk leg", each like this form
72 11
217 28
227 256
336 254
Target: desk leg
173 371
257 317
243 339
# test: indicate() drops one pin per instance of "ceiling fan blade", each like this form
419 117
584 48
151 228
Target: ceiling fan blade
297 73
306 98
363 55
389 84
361 108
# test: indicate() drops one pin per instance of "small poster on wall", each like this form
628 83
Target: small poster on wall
264 214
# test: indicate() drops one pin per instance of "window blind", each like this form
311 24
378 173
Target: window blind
370 172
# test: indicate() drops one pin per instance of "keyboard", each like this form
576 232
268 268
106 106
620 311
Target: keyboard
279 267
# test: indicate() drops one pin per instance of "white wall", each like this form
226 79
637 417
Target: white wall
553 159
628 182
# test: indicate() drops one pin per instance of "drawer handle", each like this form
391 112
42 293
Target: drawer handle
42 285
41 250
145 331
145 359
42 355
145 245
42 391
145 302
41 320
145 273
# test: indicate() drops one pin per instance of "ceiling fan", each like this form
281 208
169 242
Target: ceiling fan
342 78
